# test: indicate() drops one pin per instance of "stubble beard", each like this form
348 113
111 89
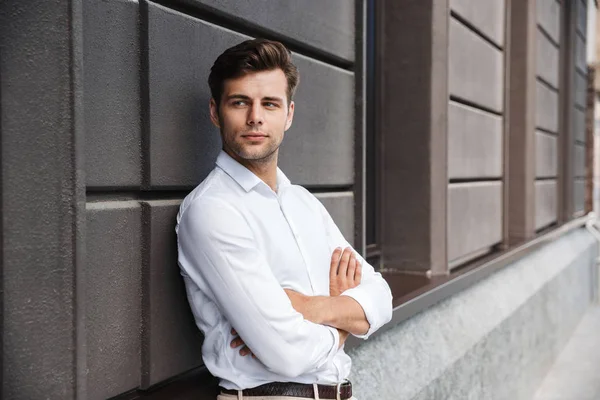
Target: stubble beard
264 155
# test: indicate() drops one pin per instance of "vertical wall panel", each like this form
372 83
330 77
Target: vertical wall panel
42 215
547 108
548 16
113 298
111 93
485 15
547 60
474 217
546 204
474 143
478 79
327 25
172 341
546 155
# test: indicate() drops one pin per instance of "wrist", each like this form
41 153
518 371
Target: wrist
328 307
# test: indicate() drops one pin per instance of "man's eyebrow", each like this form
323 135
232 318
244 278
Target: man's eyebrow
244 97
238 96
272 98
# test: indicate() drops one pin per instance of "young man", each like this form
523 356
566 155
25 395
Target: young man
272 283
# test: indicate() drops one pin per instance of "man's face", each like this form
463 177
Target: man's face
253 115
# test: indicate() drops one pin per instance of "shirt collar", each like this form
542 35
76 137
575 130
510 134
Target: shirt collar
243 176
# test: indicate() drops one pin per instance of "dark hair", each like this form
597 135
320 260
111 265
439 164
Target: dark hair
252 56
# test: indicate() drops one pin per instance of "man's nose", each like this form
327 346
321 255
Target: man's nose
255 115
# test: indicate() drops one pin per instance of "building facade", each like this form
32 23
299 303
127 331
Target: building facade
447 138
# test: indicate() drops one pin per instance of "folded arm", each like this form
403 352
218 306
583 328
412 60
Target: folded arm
373 294
342 312
217 251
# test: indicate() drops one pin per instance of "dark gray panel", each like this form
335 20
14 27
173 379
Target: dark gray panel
581 17
414 117
578 195
580 54
546 108
317 150
546 209
547 60
172 341
327 25
41 190
579 160
546 155
341 208
113 298
548 16
474 143
319 147
111 93
485 15
580 89
579 125
474 217
475 70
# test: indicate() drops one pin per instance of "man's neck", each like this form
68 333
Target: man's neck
265 169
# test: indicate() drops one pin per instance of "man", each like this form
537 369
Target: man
272 283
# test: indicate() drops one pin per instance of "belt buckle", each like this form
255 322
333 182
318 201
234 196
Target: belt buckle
338 391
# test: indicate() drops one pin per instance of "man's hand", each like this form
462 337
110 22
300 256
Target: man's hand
345 272
237 342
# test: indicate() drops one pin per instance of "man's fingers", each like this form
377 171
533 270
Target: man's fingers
343 268
335 262
233 332
351 267
237 342
358 273
245 351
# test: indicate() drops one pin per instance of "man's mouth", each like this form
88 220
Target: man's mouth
254 136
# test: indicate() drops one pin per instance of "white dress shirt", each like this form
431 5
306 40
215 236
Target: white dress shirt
240 244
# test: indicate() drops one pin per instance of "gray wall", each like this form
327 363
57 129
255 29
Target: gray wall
117 118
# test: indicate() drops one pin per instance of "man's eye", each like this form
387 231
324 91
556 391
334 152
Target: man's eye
270 105
239 103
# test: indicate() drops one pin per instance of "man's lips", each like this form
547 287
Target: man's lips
254 136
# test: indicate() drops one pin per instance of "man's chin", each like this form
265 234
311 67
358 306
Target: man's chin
255 155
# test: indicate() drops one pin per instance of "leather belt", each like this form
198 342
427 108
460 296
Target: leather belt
296 390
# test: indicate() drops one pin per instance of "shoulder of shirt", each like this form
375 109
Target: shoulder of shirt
305 194
216 190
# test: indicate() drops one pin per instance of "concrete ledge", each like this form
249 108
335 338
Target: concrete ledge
495 340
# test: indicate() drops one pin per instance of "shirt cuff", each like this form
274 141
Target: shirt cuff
362 297
336 344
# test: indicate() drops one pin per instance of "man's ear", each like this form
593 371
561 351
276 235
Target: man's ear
290 116
214 113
